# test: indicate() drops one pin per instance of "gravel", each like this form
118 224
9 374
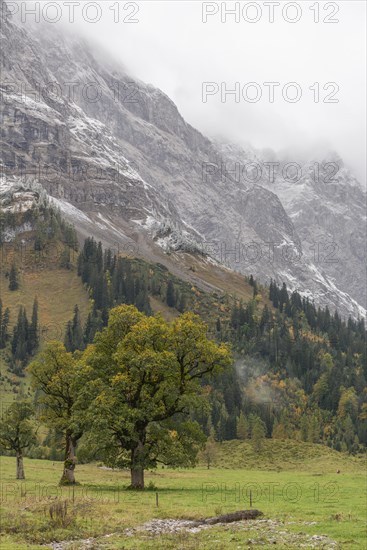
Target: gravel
254 533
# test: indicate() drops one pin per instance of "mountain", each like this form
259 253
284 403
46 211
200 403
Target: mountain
327 206
121 162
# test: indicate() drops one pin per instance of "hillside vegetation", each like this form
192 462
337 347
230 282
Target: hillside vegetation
282 455
300 371
42 273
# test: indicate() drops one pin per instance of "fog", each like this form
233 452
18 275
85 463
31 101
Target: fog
171 47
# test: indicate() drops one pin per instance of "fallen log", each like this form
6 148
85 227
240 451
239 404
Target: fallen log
231 517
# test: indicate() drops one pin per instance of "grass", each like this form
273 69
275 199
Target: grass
303 495
168 313
277 455
57 291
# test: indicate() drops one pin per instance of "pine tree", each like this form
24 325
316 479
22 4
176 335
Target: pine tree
170 296
93 324
107 260
274 294
271 290
100 294
142 302
2 345
33 339
5 327
182 303
258 431
77 331
4 322
74 337
99 257
243 427
210 450
234 317
222 424
68 339
265 319
65 260
19 345
13 278
283 297
40 239
130 289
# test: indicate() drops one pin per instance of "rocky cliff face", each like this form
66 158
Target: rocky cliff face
327 206
330 219
119 159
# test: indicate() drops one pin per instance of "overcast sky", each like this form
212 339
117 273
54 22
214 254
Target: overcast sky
173 49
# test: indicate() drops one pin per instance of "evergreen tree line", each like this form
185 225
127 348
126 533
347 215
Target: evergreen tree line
47 223
13 278
4 325
251 427
24 340
113 280
341 334
323 355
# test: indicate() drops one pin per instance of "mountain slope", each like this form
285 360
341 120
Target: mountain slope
122 163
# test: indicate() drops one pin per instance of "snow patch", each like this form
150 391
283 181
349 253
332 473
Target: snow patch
69 209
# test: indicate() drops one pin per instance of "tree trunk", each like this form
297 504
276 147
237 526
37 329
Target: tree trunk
20 467
137 467
68 477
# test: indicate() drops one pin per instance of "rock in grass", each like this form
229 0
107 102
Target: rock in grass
233 516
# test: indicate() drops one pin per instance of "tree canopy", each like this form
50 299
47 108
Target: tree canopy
145 377
17 431
56 378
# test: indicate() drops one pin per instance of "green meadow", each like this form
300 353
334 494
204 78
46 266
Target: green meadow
295 485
